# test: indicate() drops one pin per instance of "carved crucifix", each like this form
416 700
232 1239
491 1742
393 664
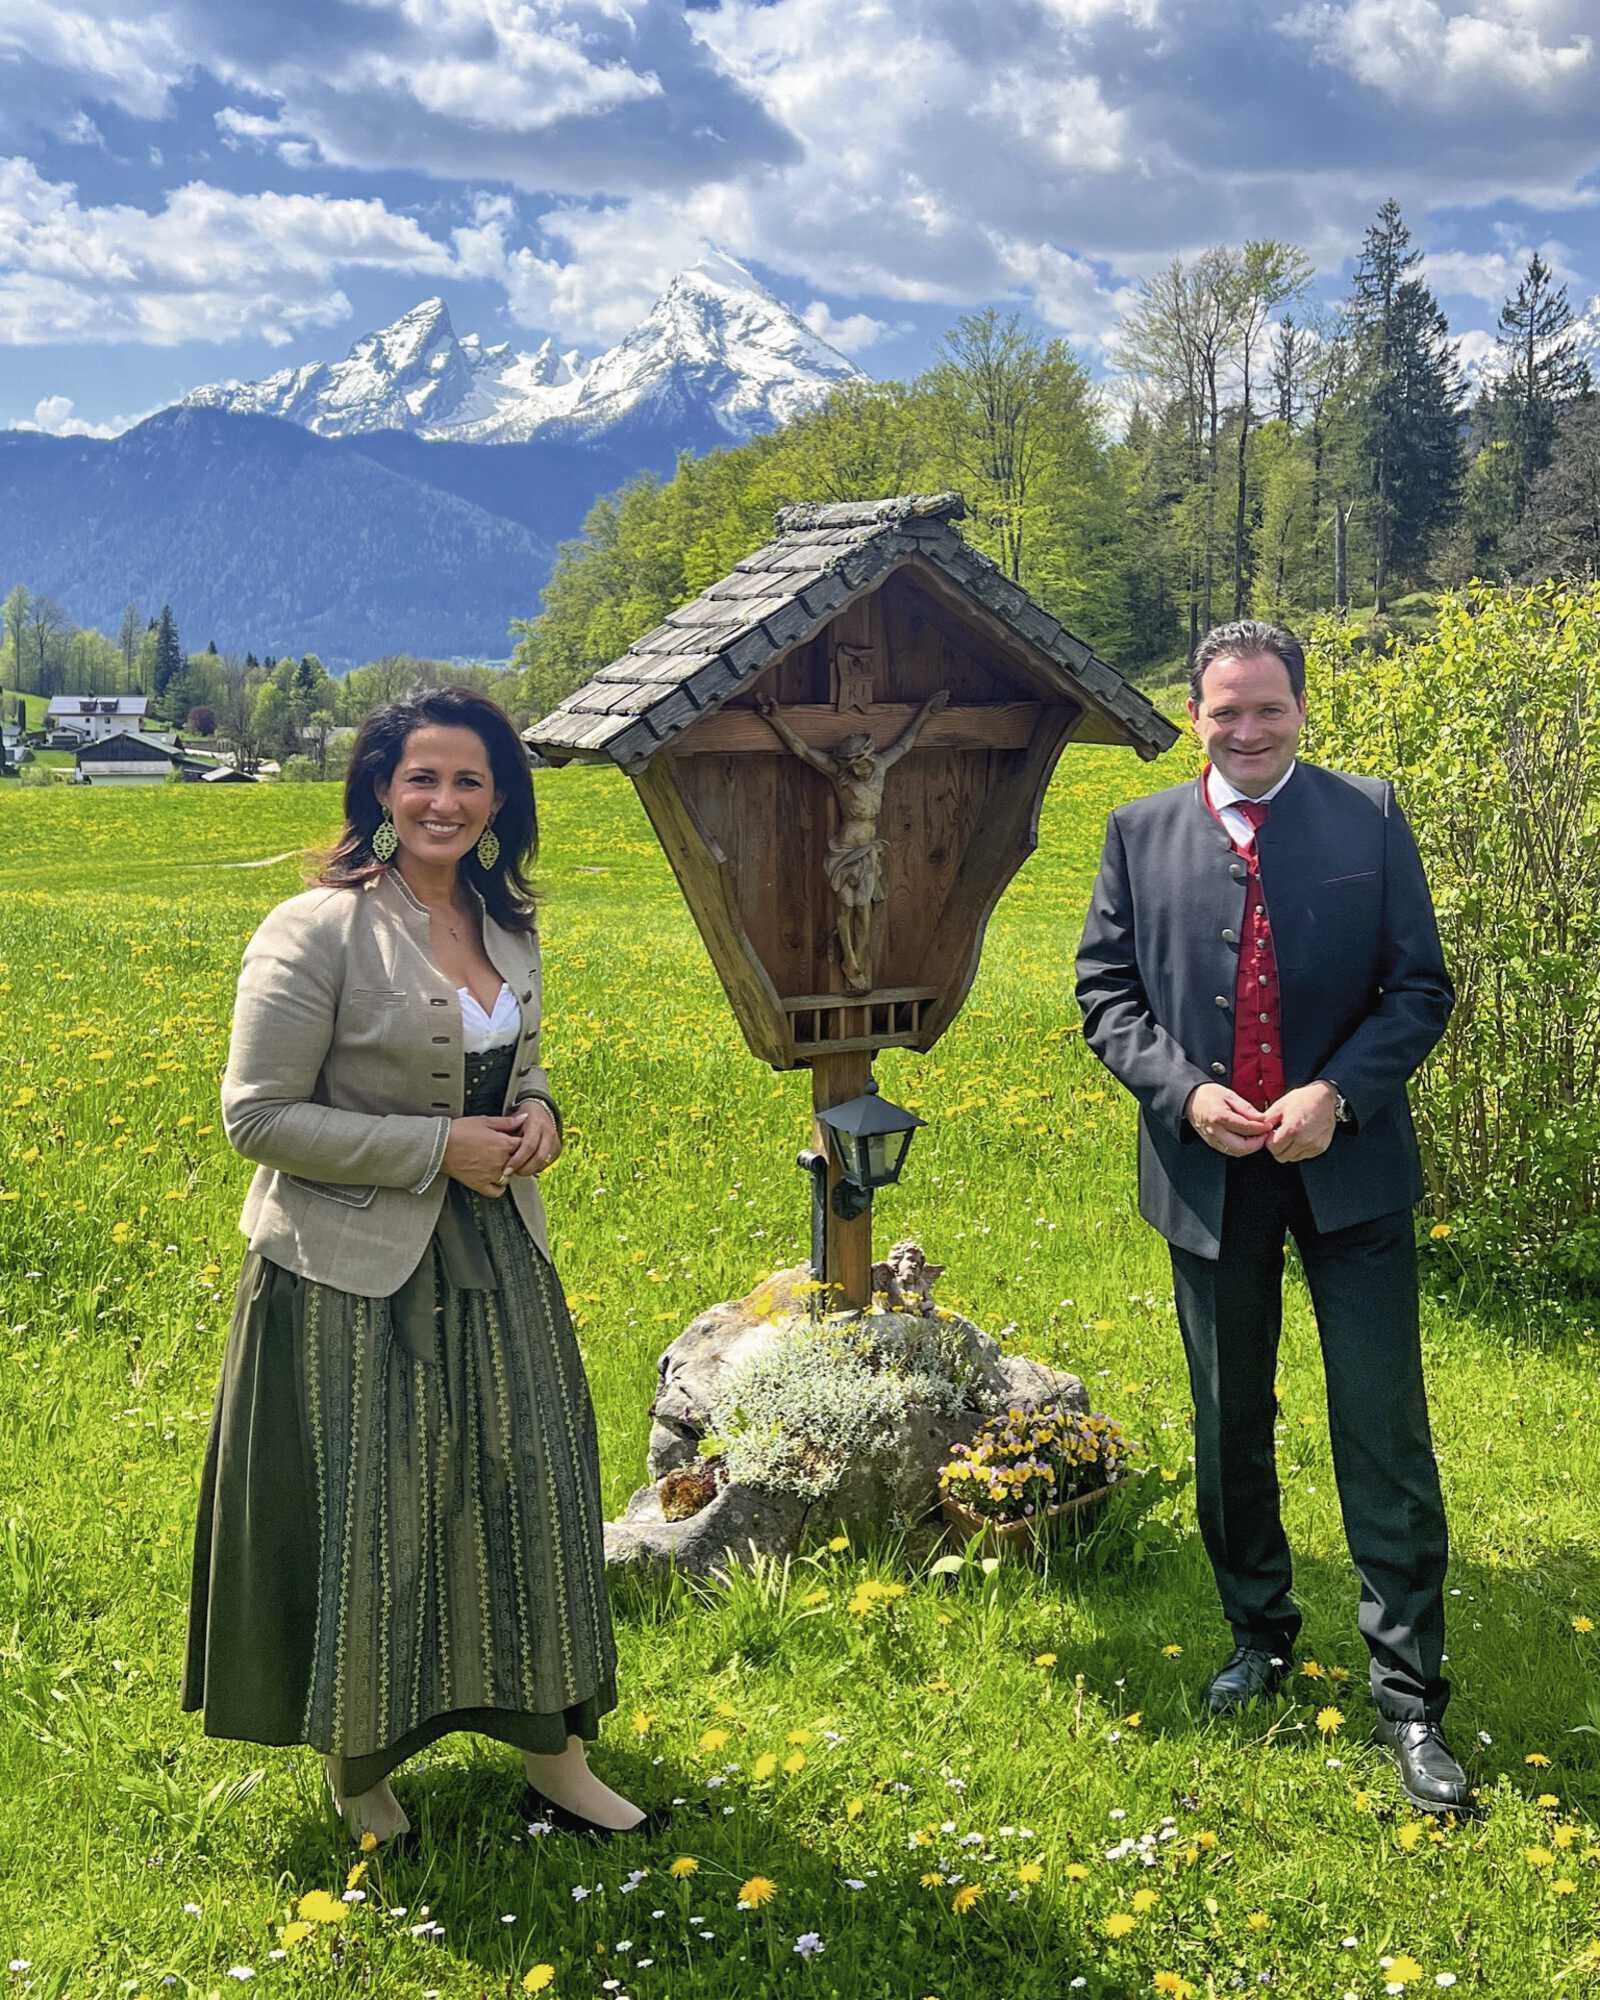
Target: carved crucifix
855 864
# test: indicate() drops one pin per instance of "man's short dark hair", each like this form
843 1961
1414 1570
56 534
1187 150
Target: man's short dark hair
1248 639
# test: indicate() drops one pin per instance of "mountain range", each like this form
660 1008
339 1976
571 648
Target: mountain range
716 360
406 499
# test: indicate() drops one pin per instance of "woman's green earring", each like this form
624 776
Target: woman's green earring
488 847
385 841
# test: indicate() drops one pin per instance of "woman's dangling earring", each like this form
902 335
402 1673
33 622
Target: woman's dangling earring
385 841
488 847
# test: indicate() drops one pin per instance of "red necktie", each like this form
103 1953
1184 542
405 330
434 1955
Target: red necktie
1254 810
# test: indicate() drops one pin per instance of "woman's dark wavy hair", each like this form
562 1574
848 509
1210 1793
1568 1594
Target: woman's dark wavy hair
374 760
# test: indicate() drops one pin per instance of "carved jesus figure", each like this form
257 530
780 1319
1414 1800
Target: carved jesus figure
854 863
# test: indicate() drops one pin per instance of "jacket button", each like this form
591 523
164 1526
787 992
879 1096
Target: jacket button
527 996
1237 871
1219 1069
1230 936
1222 999
433 1002
441 1038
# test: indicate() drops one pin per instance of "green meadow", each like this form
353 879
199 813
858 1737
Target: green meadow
994 1786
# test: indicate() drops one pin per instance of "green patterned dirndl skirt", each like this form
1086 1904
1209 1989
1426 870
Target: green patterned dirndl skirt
400 1530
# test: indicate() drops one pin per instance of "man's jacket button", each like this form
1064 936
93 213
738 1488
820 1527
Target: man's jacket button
1219 1069
1237 871
1222 1000
1230 936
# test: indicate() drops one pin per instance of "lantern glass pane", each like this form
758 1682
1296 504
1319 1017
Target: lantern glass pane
882 1158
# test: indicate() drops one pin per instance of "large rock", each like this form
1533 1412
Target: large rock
892 1488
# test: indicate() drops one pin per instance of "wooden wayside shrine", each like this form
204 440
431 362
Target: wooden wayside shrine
843 747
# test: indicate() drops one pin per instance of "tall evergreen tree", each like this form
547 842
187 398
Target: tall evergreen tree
1408 389
169 654
1543 370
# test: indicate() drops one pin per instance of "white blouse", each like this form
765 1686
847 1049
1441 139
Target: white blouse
480 1031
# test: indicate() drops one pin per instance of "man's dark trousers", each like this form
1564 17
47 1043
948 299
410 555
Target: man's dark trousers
1364 1292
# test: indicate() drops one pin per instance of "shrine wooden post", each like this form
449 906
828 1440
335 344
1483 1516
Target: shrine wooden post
843 746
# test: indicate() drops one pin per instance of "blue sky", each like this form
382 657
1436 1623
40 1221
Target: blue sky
210 189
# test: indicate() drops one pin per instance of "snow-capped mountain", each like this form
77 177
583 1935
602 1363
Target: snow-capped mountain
718 358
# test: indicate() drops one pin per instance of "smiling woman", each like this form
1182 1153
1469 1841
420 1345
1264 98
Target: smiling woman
400 1522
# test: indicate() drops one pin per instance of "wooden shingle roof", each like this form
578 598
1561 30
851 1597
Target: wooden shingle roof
822 558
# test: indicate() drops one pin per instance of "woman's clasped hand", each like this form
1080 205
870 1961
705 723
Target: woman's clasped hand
484 1153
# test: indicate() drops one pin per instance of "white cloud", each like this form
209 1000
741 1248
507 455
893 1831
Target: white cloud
1490 275
210 265
81 130
53 415
1420 54
853 334
133 62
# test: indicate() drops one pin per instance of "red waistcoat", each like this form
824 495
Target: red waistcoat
1258 999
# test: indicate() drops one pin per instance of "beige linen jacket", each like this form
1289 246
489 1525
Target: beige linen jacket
345 1068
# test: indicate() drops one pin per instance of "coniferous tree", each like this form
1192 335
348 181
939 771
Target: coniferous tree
1408 392
1543 370
169 654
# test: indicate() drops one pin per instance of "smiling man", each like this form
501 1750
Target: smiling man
1261 968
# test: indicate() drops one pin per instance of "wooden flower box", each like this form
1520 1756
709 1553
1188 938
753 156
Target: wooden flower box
970 1526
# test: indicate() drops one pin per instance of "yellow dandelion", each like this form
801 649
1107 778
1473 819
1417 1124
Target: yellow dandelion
1144 1901
369 1842
1174 1984
1538 1760
1206 1840
1030 1871
1134 1721
293 1934
537 1978
684 1866
318 1907
1044 1659
1119 1923
1564 1837
839 1544
643 1721
1075 1872
1538 1857
1329 1721
357 1876
1582 1624
765 1765
1258 1920
795 1763
1548 1801
1171 1653
1362 1801
1402 1969
854 1808
799 1736
758 1890
713 1740
932 1879
1439 1231
1565 1886
964 1898
1410 1835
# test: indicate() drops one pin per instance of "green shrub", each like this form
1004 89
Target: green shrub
1490 728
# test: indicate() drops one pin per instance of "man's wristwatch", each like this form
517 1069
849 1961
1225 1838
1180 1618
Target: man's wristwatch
1341 1104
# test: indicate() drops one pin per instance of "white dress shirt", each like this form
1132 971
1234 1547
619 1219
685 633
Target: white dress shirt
1225 798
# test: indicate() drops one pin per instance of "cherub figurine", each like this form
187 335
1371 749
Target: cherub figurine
855 854
906 1279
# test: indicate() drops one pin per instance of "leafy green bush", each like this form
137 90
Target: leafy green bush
1490 728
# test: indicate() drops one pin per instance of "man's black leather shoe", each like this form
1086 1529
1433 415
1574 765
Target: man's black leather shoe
1251 1673
1429 1776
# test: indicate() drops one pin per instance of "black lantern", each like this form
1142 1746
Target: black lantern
870 1138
